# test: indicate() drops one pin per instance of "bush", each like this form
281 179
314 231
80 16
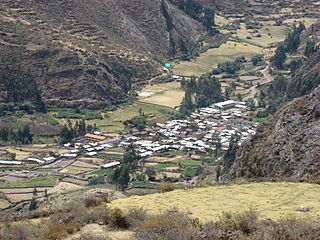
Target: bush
92 200
117 219
57 231
170 225
246 222
136 216
167 188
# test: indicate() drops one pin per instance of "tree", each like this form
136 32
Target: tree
216 143
256 59
35 192
33 204
124 177
279 57
311 47
230 155
151 173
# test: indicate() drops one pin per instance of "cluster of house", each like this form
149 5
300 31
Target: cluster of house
196 133
88 145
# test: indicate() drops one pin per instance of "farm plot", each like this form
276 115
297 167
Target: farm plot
211 58
21 194
114 120
268 34
75 170
31 182
164 94
272 200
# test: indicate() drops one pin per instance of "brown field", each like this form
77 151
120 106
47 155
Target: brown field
64 187
75 170
164 94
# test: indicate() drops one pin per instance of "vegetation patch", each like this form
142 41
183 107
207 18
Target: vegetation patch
108 172
31 182
272 200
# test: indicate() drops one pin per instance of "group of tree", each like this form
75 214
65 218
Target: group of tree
230 155
256 59
200 93
229 67
20 136
70 131
121 175
198 12
138 122
290 45
20 85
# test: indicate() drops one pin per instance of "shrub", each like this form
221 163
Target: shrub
117 219
167 188
136 216
57 231
170 225
91 200
246 222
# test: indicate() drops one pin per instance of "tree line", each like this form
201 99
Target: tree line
200 93
20 136
70 131
198 12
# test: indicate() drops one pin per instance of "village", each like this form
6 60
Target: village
75 163
195 134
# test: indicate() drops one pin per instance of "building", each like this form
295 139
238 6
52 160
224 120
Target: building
224 105
110 165
94 137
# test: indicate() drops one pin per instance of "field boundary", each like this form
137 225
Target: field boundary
154 104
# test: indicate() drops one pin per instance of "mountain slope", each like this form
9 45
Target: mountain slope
89 52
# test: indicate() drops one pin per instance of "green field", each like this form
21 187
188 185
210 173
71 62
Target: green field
142 185
102 172
32 182
114 120
187 162
164 165
272 200
210 59
110 156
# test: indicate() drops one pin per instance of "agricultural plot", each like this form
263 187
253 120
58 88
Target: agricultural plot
307 21
270 34
164 94
113 122
31 182
64 187
75 170
272 200
209 60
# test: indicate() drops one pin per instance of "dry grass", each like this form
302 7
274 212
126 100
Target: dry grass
210 59
165 94
4 203
307 21
278 34
272 200
75 170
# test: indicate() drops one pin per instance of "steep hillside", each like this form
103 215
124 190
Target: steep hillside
89 52
287 146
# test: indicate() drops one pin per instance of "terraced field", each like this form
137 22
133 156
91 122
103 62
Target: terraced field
272 200
211 58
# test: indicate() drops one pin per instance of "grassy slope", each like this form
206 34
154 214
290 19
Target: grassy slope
115 120
210 59
272 200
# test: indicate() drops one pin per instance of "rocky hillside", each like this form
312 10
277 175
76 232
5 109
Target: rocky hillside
89 52
288 145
